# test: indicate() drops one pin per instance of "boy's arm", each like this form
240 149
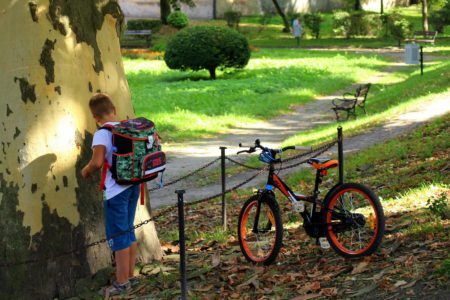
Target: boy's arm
96 162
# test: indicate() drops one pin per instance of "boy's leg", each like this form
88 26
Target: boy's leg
132 262
116 221
132 204
122 265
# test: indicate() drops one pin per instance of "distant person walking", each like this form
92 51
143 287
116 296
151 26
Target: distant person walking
297 30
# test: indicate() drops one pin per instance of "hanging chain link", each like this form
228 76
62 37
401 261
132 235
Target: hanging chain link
162 212
187 175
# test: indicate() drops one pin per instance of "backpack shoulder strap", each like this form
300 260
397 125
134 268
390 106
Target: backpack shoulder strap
106 165
108 127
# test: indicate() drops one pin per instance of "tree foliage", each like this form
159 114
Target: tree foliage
166 7
207 47
178 20
313 21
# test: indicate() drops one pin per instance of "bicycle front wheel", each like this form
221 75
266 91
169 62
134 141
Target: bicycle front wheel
261 243
354 220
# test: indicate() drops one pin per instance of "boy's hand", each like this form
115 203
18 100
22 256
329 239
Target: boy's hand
96 162
85 172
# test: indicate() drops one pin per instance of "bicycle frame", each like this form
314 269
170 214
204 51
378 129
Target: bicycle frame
275 181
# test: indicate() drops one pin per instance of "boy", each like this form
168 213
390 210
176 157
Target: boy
120 201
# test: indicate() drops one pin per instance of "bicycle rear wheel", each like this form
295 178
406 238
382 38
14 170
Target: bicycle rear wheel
354 220
263 244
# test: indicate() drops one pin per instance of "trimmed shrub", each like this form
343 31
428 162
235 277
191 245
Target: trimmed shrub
207 47
178 20
400 28
356 23
313 21
397 27
233 18
341 23
441 18
144 24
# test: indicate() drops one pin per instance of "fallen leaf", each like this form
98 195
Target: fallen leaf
306 297
216 260
206 288
365 290
252 281
360 268
312 286
400 283
331 292
411 284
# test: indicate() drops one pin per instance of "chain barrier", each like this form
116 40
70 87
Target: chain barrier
322 150
187 175
73 251
317 151
242 164
228 190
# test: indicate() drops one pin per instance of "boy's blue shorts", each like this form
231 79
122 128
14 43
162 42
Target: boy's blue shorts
119 212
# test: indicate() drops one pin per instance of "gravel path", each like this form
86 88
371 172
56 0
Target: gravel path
184 158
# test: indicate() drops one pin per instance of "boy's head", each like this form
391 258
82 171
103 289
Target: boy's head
102 108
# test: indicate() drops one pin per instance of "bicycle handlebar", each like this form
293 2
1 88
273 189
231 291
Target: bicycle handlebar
259 146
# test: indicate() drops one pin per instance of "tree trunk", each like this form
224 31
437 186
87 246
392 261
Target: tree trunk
165 10
55 55
381 7
282 15
357 5
425 15
212 73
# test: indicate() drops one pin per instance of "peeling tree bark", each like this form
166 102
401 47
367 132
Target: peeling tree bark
55 53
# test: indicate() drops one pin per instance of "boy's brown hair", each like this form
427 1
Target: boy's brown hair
100 105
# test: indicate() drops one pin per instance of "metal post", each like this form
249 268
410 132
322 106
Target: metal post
340 155
224 204
181 236
421 60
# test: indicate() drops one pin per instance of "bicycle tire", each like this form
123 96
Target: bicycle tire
272 205
329 212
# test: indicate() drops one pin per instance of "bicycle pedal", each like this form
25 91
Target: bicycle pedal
324 244
298 207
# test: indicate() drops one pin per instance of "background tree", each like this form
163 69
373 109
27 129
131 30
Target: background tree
166 7
425 15
428 5
55 55
282 15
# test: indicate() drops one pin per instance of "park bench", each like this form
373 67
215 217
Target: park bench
349 101
144 34
423 37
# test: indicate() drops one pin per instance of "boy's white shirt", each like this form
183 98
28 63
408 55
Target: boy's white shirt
104 137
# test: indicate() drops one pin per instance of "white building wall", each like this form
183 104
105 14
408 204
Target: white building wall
204 8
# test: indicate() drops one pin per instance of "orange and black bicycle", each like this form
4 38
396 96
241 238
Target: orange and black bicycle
350 217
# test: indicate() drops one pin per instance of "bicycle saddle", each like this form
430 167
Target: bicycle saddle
323 163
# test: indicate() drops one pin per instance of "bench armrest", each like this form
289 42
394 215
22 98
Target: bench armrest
343 102
349 95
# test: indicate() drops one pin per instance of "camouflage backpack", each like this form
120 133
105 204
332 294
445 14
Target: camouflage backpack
137 155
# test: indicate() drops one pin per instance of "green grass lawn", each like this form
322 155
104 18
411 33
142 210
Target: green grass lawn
387 99
189 106
406 173
271 35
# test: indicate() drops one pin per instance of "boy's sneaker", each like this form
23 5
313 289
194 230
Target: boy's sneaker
134 281
118 289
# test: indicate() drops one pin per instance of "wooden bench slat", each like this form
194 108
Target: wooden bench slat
349 105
